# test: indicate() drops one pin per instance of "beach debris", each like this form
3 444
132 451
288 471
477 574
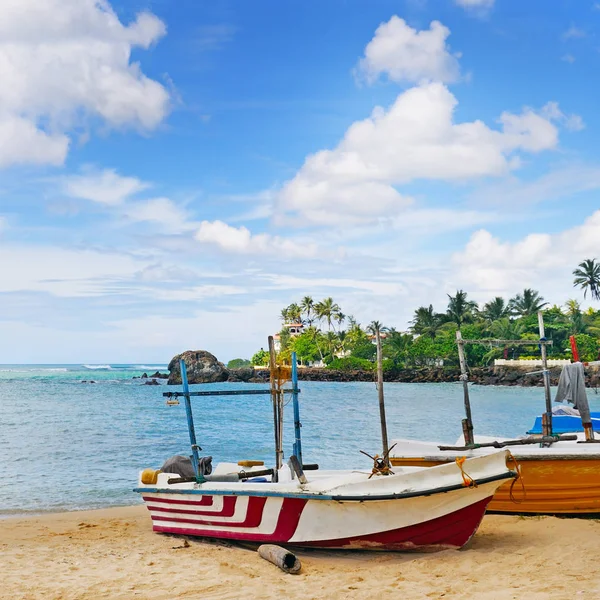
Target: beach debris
280 557
185 544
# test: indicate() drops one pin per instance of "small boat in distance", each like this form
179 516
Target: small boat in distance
405 509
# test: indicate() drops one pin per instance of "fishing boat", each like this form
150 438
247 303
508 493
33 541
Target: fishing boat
559 473
374 508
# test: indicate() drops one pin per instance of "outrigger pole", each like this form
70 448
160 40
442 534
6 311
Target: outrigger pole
277 399
464 376
190 418
277 394
297 425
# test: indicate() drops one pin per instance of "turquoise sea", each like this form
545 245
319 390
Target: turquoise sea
68 445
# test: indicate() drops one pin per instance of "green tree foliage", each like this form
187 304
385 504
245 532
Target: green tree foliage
587 346
305 346
260 358
460 310
495 309
527 303
345 344
238 363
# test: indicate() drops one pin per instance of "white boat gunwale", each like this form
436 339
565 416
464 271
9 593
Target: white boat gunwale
318 496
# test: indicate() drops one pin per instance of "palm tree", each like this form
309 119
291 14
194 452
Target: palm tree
528 303
397 345
495 309
326 310
587 277
506 329
340 317
426 321
374 326
308 305
460 310
575 316
294 313
284 315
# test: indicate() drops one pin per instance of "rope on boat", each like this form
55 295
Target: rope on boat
519 478
468 481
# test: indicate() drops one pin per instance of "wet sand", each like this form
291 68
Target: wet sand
113 553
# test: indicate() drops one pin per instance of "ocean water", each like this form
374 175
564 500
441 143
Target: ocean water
68 445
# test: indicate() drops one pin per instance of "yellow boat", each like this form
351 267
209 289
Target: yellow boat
563 478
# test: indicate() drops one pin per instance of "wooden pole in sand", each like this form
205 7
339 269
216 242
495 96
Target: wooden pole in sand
464 376
384 437
547 417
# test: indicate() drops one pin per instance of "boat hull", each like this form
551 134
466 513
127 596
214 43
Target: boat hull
552 485
422 523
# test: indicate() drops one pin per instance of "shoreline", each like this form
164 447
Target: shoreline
113 553
499 376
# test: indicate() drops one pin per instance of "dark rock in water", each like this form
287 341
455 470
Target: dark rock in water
202 367
241 375
151 382
144 376
159 375
86 381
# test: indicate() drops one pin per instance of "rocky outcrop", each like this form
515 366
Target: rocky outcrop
201 367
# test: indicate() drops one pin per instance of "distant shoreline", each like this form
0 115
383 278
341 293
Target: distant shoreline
504 376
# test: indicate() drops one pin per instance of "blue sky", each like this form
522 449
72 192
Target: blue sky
172 174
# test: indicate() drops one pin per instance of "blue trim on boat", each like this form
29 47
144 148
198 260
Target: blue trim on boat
338 498
566 424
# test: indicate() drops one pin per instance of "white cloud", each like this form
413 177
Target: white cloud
239 240
22 142
64 60
545 261
106 186
439 220
559 183
568 58
63 272
573 33
571 122
416 138
475 3
171 217
405 54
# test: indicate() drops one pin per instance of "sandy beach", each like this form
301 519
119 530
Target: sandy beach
113 553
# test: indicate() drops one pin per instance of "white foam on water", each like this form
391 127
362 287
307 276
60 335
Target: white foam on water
98 367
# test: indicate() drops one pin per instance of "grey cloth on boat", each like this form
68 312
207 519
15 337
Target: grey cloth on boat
182 465
571 387
565 410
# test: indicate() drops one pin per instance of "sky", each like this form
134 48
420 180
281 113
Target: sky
172 174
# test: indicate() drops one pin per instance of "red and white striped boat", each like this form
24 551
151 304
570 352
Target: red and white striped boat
413 509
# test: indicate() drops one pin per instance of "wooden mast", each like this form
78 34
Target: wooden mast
384 436
547 417
276 397
467 423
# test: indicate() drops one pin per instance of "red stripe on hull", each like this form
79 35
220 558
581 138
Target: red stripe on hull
450 531
204 501
228 509
253 518
287 522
